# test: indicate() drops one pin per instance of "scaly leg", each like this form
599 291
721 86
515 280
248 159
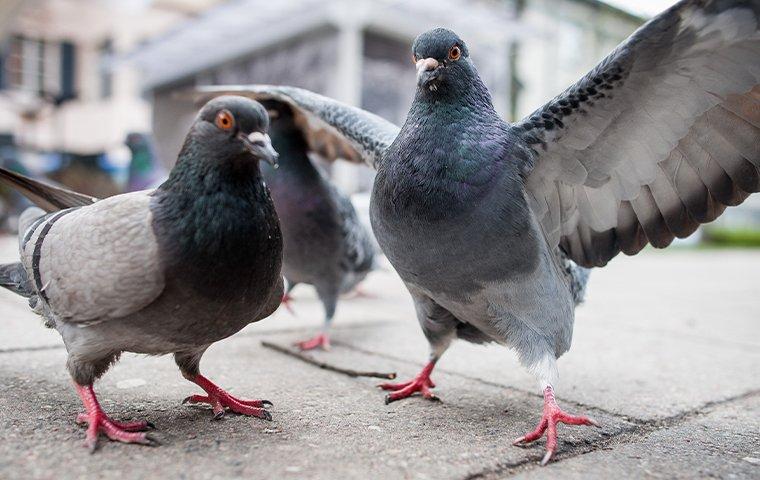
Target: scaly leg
551 417
221 401
421 383
98 421
322 340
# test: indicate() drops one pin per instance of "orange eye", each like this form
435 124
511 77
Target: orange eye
455 52
225 120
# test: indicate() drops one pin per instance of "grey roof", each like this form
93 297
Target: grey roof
239 28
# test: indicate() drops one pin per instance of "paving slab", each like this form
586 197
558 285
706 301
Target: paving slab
20 328
627 355
661 336
326 425
631 374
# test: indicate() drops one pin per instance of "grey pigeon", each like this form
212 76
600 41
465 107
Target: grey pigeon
324 243
171 270
492 225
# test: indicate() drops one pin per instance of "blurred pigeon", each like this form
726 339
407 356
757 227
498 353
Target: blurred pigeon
144 169
324 243
171 270
90 174
489 224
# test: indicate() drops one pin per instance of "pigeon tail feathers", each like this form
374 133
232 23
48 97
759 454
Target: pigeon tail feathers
13 277
48 197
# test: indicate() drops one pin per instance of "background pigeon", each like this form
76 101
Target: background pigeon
486 222
144 170
151 271
324 243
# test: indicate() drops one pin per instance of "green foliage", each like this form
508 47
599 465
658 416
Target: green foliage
732 237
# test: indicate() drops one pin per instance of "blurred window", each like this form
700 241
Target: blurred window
45 69
68 70
106 77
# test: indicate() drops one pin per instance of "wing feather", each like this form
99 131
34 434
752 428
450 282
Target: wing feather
332 129
98 262
660 137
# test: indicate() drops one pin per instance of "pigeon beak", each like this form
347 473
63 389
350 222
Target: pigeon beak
427 71
260 145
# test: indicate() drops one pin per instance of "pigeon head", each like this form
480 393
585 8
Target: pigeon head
236 127
443 62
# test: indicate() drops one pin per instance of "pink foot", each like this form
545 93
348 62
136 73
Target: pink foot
359 292
421 383
551 416
286 302
221 401
320 341
97 421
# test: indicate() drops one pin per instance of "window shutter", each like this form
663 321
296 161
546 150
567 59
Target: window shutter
68 71
3 54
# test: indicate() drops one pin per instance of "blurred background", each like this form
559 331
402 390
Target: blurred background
88 88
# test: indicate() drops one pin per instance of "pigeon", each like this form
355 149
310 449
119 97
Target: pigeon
493 225
324 242
170 270
144 169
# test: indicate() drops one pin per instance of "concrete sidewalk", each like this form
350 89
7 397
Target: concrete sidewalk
666 356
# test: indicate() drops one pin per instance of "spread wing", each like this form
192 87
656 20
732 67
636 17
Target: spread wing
96 262
332 129
658 138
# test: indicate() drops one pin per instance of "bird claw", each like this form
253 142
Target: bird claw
548 456
552 415
320 341
222 401
125 432
420 384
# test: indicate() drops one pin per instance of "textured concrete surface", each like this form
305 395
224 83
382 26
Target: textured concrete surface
666 356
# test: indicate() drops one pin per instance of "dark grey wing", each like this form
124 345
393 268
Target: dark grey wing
48 197
358 254
332 129
658 138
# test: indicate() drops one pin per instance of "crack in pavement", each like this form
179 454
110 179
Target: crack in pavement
307 329
636 430
31 349
488 382
629 435
631 430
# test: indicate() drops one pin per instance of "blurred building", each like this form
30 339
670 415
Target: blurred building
64 97
78 76
358 51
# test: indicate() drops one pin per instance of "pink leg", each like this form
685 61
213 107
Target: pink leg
221 400
551 416
421 383
286 302
98 421
319 341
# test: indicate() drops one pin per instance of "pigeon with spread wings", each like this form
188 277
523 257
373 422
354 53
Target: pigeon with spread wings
171 270
492 225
